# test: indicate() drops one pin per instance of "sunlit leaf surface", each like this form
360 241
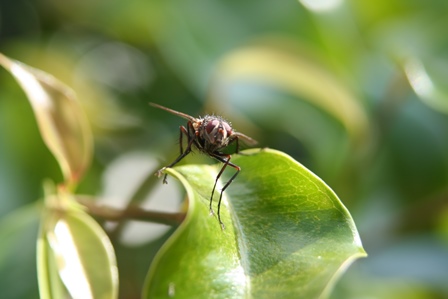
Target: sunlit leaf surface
50 284
73 245
287 235
61 120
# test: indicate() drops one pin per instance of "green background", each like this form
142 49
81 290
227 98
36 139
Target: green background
357 92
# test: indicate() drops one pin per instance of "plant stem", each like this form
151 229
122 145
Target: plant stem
135 213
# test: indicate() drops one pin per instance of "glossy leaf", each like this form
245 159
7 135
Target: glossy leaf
61 120
287 235
74 246
50 285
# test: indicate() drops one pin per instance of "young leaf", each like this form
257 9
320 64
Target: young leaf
50 284
74 246
62 123
287 235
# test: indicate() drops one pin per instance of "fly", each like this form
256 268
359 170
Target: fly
210 135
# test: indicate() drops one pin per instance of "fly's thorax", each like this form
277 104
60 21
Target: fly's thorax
216 131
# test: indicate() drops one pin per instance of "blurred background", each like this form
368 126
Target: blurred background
356 91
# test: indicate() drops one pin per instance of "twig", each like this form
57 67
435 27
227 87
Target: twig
135 213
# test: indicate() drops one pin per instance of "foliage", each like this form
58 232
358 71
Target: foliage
355 91
287 235
287 239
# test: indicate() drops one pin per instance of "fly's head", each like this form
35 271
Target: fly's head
211 133
216 132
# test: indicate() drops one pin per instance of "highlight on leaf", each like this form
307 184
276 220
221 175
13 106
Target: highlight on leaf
74 254
287 235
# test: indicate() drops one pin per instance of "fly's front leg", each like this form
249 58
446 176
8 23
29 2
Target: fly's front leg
226 162
183 130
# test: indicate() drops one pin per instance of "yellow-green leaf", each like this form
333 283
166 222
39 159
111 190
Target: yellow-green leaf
50 285
62 122
74 246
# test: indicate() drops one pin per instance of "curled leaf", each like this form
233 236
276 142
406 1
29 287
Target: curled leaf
74 251
287 235
61 120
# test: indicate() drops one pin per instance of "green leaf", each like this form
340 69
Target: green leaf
75 247
287 235
62 122
50 285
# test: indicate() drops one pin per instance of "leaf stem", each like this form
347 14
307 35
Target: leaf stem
136 213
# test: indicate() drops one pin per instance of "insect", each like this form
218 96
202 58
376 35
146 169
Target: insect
210 135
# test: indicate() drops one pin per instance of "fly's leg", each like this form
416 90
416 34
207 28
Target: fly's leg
222 158
182 153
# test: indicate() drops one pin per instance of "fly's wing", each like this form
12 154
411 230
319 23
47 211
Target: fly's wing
246 139
183 115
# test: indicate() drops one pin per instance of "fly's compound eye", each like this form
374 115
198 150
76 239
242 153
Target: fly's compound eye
227 128
211 125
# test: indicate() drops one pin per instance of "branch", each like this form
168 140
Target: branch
135 213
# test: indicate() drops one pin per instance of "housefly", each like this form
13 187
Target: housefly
210 135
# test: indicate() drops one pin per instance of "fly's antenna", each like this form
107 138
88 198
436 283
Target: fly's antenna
183 115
